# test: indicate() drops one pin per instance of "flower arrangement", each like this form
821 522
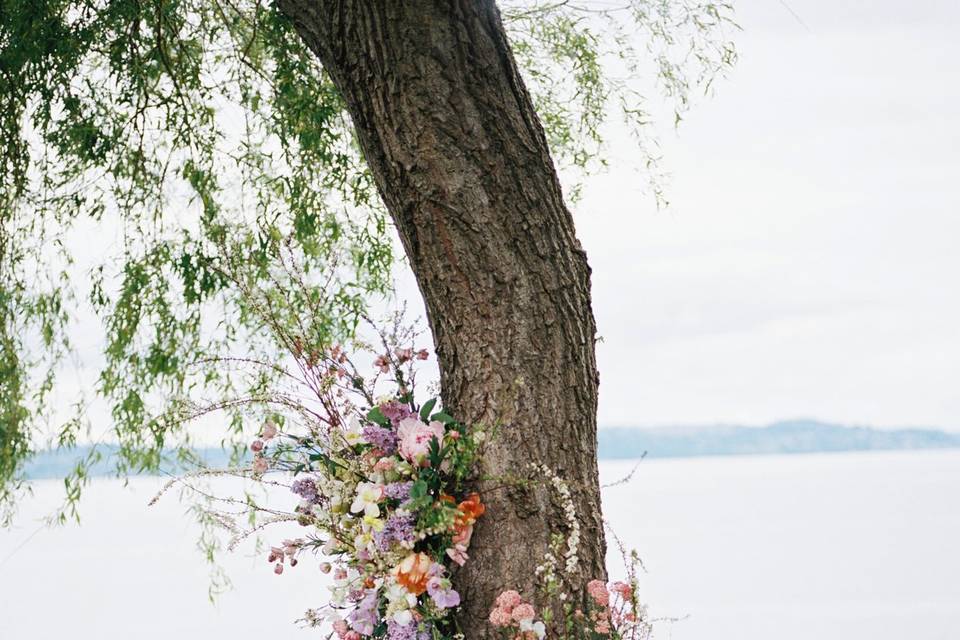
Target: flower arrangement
384 487
383 492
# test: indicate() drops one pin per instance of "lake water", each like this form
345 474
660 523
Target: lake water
832 547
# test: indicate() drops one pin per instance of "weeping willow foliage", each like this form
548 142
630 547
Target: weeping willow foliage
160 159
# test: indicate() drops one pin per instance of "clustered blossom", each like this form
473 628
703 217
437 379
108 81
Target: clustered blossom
383 439
306 488
399 490
569 513
614 612
391 518
399 528
512 614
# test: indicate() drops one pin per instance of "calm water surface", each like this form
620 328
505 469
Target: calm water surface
832 547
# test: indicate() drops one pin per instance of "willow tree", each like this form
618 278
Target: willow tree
157 140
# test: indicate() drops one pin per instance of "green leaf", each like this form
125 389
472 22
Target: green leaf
375 415
446 419
427 408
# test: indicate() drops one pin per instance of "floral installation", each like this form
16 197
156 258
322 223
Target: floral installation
383 493
382 486
384 497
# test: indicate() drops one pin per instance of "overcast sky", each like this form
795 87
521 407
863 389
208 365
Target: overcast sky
809 264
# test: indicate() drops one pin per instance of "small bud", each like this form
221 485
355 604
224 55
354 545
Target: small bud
269 430
325 567
278 569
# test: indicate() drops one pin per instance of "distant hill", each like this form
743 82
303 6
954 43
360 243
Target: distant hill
794 436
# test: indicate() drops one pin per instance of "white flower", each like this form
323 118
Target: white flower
354 433
537 627
368 495
403 617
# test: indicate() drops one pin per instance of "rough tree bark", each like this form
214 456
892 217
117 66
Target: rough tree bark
461 161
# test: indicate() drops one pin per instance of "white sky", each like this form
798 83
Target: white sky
809 263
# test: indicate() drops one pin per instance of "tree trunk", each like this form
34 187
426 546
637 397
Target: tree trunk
461 162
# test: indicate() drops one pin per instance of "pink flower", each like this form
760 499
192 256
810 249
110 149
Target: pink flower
382 363
351 635
383 464
462 537
458 553
598 591
508 600
340 627
256 446
423 354
523 611
500 618
260 465
404 354
278 568
603 627
623 589
415 437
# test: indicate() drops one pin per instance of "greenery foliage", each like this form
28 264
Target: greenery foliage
160 157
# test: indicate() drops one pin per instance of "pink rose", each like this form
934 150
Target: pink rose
415 436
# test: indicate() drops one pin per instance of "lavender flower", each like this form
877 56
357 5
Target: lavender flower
409 631
395 411
398 490
364 618
398 528
306 488
383 439
442 594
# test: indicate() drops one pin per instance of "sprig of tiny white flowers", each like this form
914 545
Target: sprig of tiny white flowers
562 490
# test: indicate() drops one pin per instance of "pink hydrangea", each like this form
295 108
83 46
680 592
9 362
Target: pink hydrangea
508 600
415 437
598 591
523 611
500 618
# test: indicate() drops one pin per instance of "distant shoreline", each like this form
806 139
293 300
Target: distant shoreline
624 443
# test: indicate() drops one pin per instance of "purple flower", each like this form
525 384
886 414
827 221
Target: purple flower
398 490
306 488
398 528
364 618
395 411
442 594
383 439
409 631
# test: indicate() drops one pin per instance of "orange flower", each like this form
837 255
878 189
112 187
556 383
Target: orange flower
469 510
412 572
